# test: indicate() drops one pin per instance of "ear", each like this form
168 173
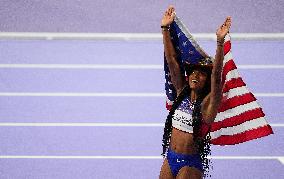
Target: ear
186 78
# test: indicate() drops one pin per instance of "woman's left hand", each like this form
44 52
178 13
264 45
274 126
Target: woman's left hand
224 28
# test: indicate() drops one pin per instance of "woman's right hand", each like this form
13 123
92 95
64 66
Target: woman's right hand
169 16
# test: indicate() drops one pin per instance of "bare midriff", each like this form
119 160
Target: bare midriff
182 142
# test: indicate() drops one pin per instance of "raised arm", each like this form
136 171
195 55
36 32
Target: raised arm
212 101
176 77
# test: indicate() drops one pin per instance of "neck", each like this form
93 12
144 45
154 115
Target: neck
193 95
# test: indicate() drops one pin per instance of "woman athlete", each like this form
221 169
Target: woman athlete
185 146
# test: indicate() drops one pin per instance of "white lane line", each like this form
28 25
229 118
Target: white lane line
281 159
87 94
29 124
246 157
121 157
269 94
134 157
131 36
260 66
76 157
113 94
120 66
85 66
277 125
83 124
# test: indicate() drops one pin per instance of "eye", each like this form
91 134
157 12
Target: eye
195 72
199 72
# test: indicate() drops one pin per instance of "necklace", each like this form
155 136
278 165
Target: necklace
192 105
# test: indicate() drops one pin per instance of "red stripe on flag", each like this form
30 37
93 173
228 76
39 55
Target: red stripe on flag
168 106
227 47
233 83
229 66
236 101
236 120
243 137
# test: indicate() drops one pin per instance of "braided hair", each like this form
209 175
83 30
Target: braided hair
202 143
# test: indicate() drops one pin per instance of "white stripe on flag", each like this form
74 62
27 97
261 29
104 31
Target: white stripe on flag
236 92
227 57
232 74
246 126
236 111
169 102
227 37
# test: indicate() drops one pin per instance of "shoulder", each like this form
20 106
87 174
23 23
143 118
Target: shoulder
182 90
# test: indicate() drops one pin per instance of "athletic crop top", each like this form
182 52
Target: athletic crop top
182 118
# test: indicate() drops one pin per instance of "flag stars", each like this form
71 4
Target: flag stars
184 43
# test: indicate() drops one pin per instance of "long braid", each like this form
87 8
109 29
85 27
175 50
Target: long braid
202 143
168 124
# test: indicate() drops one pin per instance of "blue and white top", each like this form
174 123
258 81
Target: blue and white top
182 118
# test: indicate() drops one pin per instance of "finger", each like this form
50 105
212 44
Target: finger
171 7
172 17
171 11
168 10
168 13
173 14
228 23
228 20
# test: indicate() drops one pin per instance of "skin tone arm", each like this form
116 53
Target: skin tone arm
212 101
171 56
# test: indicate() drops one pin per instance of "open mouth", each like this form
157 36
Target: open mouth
195 81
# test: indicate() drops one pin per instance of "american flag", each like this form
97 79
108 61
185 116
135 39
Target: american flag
240 118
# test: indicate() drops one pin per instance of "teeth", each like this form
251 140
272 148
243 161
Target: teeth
194 81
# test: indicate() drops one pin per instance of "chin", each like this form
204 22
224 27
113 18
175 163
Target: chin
193 87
